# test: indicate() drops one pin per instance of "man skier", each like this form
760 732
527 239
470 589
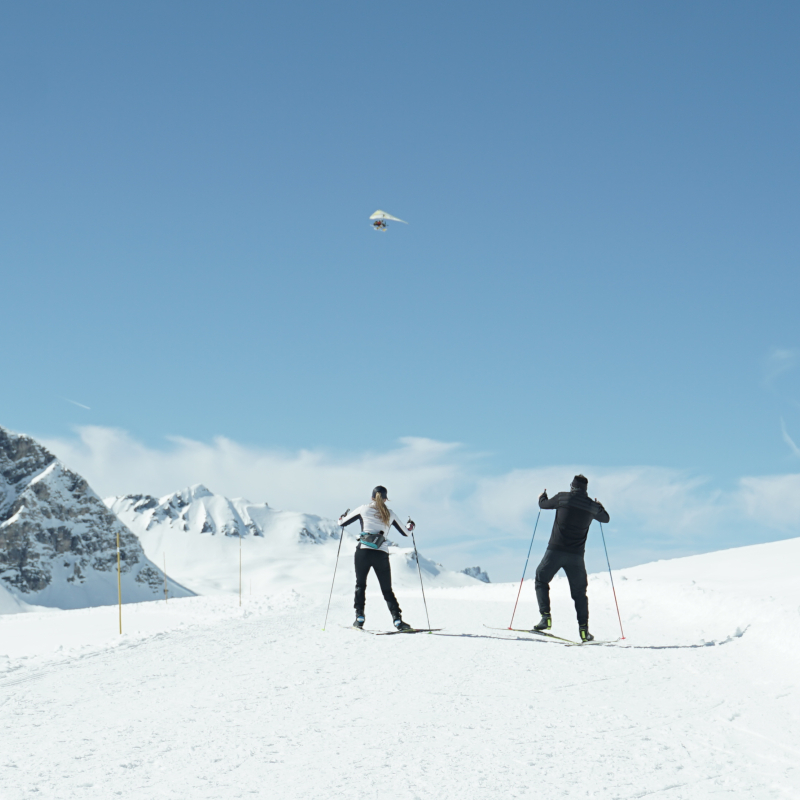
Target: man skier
574 514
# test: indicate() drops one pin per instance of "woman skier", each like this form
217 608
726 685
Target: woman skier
376 519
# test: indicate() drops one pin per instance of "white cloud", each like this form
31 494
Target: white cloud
465 516
772 501
76 403
788 439
779 360
654 497
315 481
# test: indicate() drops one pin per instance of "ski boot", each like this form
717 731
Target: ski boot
585 635
402 626
544 624
359 623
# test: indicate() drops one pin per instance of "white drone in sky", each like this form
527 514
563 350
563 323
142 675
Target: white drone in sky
380 218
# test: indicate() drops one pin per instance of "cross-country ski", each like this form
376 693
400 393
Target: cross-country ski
392 633
542 634
410 630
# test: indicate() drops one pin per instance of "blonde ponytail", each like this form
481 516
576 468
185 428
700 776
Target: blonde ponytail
383 512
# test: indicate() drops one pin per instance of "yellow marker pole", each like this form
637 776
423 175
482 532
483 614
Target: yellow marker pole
166 598
240 567
119 584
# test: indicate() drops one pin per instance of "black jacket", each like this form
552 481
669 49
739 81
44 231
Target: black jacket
575 512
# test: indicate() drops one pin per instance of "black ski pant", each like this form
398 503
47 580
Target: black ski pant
574 566
378 560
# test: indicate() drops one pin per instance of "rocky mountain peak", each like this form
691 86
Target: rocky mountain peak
477 573
21 459
186 496
58 541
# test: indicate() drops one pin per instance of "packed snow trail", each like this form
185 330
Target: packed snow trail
212 701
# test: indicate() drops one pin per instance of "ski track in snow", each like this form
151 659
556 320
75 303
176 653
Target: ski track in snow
203 699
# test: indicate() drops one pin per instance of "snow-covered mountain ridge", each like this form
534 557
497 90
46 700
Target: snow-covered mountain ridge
197 510
58 542
200 534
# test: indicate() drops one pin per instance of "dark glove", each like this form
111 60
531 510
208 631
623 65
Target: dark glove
344 515
410 525
543 495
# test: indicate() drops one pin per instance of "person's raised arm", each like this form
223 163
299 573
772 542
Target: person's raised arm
602 515
351 516
546 502
395 523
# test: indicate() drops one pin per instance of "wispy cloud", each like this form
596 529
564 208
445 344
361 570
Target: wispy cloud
76 403
773 501
788 439
778 362
465 515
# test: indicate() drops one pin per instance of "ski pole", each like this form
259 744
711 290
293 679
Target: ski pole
612 579
416 556
511 624
338 550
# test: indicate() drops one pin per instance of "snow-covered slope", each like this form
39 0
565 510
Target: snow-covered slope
11 604
205 699
57 539
200 534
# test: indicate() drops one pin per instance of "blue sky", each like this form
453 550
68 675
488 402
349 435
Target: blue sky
600 269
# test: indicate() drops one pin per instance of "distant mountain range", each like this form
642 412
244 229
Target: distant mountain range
196 510
58 541
200 534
